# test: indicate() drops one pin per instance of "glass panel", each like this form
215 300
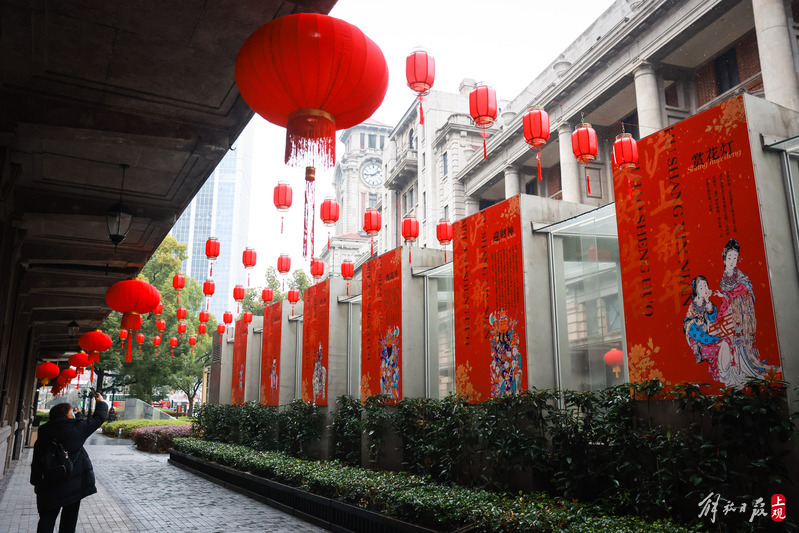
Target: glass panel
440 318
354 354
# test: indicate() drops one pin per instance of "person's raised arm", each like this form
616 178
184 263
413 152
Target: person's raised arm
98 416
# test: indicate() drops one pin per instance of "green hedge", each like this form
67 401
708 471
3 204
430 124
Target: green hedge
419 500
112 428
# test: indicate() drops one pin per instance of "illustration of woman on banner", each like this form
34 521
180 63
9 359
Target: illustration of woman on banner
319 379
273 375
389 363
506 361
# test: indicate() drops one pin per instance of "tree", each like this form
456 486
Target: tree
300 281
253 301
189 376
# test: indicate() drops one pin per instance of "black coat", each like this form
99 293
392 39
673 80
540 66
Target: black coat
71 433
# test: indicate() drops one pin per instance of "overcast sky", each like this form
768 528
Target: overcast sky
505 43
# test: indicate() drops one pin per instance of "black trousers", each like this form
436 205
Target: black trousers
69 519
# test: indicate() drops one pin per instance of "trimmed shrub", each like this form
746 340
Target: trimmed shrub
112 428
159 439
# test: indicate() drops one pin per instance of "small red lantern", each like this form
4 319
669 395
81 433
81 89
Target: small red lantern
420 73
371 225
283 266
267 295
444 233
47 371
160 324
317 269
192 342
209 287
158 309
585 147
182 327
347 272
178 282
67 375
483 109
123 334
220 329
80 361
535 124
173 342
212 249
282 198
625 156
201 330
328 212
615 359
140 340
246 316
293 297
238 295
227 318
248 258
204 316
182 313
132 298
410 232
156 343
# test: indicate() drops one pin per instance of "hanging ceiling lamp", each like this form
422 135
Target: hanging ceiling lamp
117 219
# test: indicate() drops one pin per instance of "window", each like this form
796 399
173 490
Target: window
363 141
424 205
446 164
372 199
405 202
410 139
372 141
411 199
446 212
424 159
726 71
382 141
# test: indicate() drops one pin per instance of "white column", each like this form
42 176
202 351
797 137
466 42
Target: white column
569 171
472 205
512 185
776 57
647 100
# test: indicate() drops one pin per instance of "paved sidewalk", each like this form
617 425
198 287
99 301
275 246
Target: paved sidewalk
137 491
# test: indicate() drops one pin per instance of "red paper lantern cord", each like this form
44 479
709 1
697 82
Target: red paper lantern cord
310 207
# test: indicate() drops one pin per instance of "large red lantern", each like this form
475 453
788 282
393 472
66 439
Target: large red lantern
614 358
317 269
410 232
212 249
283 266
178 282
95 341
238 295
282 198
181 313
371 225
313 74
248 258
132 298
267 295
535 124
444 234
47 371
585 147
80 361
328 212
67 375
420 73
293 297
347 272
156 343
483 108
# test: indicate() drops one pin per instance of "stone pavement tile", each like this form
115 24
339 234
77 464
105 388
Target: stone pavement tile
140 492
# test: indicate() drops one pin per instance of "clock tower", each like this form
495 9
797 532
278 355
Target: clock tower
360 173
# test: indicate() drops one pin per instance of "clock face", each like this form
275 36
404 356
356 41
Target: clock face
372 174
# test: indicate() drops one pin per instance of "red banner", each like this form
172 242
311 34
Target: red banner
697 299
315 336
239 363
490 334
270 354
381 326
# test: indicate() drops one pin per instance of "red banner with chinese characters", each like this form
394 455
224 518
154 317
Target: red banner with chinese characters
270 354
490 333
697 299
239 363
315 336
381 326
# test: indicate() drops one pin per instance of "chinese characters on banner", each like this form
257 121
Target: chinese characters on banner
697 299
239 363
315 337
490 335
381 329
270 354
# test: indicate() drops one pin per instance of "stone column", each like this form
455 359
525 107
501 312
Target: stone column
472 205
569 168
776 57
647 100
512 185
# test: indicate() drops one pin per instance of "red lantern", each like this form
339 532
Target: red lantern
444 233
317 269
209 287
220 329
246 316
312 74
173 342
158 309
283 266
201 330
483 108
282 198
140 340
192 342
204 316
182 327
420 73
67 375
328 212
293 297
160 324
238 295
47 371
371 225
156 343
410 232
535 124
625 156
80 361
347 272
248 258
123 334
95 341
178 282
227 317
181 313
132 298
585 147
267 295
614 358
212 249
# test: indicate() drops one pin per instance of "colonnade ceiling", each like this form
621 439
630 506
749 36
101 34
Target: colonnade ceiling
86 87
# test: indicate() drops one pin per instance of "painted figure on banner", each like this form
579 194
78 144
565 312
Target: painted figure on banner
319 381
506 368
389 363
273 375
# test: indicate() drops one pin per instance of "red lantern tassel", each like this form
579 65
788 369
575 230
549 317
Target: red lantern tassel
129 349
211 263
281 225
307 237
485 150
445 254
311 139
348 288
538 158
139 349
371 247
173 352
421 112
328 240
587 180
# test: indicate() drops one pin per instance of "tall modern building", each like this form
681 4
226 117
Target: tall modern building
220 209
